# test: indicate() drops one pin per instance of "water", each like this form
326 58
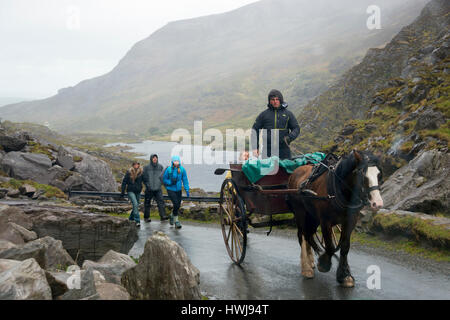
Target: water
199 161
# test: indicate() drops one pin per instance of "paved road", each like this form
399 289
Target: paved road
271 269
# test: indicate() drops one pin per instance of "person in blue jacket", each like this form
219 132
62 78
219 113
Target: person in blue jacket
174 177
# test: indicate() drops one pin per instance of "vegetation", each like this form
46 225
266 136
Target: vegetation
49 191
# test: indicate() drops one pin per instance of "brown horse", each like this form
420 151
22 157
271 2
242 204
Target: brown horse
337 197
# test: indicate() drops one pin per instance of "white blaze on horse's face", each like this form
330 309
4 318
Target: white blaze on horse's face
376 202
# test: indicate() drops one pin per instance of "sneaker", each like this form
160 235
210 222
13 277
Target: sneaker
178 225
148 220
138 224
164 218
171 220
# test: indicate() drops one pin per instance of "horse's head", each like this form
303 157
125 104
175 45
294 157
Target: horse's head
371 174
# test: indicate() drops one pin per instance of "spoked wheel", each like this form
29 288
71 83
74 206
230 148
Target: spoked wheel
233 220
335 236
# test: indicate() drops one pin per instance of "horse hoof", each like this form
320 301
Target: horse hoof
348 282
309 274
324 264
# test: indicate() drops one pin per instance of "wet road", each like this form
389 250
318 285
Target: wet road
271 269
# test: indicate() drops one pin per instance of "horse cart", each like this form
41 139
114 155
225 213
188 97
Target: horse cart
239 198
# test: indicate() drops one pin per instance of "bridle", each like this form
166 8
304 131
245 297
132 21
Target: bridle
360 193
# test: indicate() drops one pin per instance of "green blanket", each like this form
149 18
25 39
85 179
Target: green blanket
255 169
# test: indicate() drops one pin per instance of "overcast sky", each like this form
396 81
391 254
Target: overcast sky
52 44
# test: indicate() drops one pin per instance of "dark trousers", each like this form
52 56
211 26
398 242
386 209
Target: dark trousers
158 196
175 197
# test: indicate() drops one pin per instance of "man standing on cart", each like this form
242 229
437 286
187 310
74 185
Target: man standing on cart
276 117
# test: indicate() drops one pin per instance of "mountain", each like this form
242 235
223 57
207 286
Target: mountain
219 68
395 103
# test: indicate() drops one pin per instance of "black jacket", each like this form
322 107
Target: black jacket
129 186
151 175
279 118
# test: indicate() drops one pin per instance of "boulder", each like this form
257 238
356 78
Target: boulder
164 272
17 217
57 280
23 280
112 291
112 265
429 119
83 234
97 173
23 166
27 235
420 186
94 287
47 252
14 193
9 143
27 190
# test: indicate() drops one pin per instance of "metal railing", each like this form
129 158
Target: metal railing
119 196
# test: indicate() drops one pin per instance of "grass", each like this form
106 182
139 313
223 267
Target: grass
419 229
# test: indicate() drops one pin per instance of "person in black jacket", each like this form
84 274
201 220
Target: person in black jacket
152 181
132 184
276 116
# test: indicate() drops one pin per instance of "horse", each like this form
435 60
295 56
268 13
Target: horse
335 197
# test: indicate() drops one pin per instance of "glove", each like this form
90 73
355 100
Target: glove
287 140
187 193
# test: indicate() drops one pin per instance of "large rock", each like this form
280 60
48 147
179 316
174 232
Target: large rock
421 186
48 253
9 231
25 166
112 265
26 235
23 280
97 173
9 143
57 280
164 272
94 287
83 234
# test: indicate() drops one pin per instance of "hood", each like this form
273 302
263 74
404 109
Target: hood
176 158
151 157
279 95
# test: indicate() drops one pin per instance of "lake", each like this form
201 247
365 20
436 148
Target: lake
199 161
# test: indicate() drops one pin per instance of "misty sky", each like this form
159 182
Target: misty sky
52 44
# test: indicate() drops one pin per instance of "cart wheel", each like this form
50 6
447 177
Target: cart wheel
335 236
233 220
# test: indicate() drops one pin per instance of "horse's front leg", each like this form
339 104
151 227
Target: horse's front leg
343 274
324 263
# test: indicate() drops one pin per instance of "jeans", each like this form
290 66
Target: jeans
157 194
134 198
175 197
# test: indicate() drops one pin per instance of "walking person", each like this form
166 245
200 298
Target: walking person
132 184
153 184
174 177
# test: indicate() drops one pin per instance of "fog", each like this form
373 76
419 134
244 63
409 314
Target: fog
51 44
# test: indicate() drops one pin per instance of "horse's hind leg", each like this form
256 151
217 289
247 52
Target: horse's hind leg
307 260
324 263
343 274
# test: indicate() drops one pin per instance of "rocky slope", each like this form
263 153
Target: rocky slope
396 105
219 68
394 99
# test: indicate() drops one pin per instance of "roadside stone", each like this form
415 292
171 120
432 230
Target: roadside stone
164 272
